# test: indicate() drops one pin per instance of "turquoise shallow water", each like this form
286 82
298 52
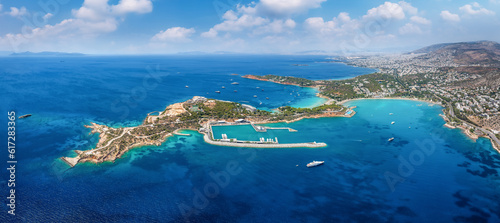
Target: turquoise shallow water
427 174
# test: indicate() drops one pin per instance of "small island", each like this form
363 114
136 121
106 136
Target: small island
199 114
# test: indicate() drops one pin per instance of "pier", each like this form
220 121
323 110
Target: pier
208 139
259 128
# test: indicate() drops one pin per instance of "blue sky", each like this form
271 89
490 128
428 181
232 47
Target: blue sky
264 26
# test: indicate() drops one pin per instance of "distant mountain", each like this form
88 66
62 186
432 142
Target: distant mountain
192 53
464 53
47 54
312 52
431 48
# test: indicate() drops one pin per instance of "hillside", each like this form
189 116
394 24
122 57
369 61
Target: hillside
464 53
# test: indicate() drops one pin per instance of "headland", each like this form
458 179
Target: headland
198 113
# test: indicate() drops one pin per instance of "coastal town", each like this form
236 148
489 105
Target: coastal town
475 110
467 87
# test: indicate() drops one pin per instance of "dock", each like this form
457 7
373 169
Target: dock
259 128
208 140
70 161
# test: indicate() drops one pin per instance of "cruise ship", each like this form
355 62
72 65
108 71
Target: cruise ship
315 163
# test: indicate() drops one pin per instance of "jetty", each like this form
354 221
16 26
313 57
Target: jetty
254 144
259 128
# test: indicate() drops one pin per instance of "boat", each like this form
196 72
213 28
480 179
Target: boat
392 123
258 87
262 89
223 87
255 96
267 98
390 113
390 140
187 86
315 163
235 91
24 116
217 92
235 83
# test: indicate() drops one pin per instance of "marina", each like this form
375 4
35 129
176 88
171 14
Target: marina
249 139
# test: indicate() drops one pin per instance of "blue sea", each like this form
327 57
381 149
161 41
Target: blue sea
429 173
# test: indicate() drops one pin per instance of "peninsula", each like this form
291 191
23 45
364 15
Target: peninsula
199 114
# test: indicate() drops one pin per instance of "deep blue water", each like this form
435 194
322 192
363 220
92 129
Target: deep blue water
444 176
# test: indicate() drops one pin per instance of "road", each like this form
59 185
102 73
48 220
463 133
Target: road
490 134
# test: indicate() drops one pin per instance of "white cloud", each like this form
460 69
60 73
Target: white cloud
448 16
93 18
246 20
230 15
210 33
47 16
407 7
388 10
95 10
420 20
344 17
276 26
318 25
18 12
410 28
261 18
287 7
475 9
243 22
132 6
174 34
338 26
415 26
343 25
